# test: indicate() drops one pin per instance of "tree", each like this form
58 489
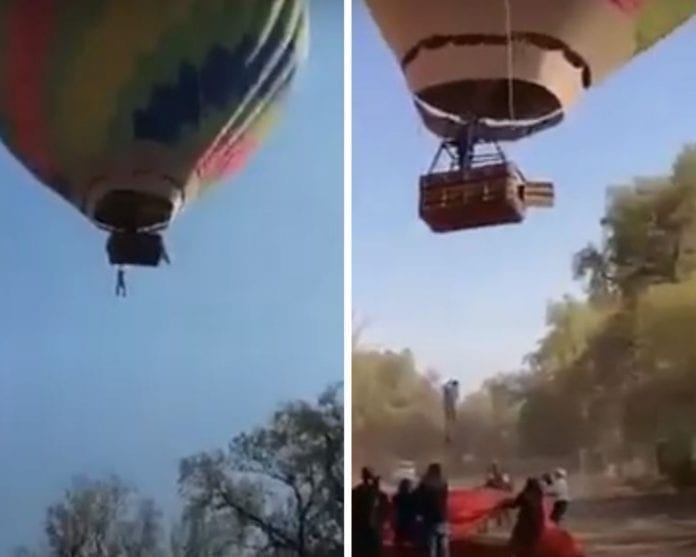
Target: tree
665 394
397 411
649 234
280 486
24 552
102 518
544 414
622 366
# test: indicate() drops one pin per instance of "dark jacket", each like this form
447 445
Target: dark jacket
431 501
530 520
404 504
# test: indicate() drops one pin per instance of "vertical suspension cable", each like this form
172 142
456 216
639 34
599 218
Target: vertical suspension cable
510 59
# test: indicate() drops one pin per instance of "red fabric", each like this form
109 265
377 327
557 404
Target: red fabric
469 509
629 6
556 542
28 28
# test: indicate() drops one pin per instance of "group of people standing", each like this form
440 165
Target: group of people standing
418 512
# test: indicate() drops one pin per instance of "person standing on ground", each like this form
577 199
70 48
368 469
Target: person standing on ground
381 511
494 476
367 535
498 479
432 503
404 507
561 494
530 519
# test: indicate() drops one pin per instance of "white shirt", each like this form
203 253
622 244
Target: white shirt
560 490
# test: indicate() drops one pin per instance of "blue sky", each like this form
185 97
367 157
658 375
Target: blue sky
471 304
247 316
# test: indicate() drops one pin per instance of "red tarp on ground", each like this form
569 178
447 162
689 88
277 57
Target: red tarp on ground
469 510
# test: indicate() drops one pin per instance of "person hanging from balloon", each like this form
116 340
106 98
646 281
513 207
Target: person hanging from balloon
121 283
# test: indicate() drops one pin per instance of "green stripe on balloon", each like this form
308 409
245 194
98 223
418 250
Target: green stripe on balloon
225 23
198 140
161 66
134 92
108 141
659 17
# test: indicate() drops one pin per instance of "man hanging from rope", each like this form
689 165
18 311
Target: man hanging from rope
450 393
121 283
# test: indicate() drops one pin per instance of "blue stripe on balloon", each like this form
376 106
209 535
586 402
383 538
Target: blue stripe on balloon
225 76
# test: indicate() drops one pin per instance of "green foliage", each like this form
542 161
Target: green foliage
542 407
615 362
397 412
101 518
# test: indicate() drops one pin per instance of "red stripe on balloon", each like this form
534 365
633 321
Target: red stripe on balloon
629 6
226 160
28 30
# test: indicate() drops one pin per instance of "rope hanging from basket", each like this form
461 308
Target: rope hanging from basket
510 59
510 63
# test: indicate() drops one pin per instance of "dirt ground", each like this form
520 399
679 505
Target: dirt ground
637 525
633 526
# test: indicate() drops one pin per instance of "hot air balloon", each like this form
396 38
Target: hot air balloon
131 109
487 71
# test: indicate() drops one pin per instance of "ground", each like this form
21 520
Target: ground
661 525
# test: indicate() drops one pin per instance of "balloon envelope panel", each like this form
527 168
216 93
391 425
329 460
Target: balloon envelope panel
516 63
129 108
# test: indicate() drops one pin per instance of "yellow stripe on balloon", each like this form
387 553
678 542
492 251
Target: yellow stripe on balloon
112 50
266 122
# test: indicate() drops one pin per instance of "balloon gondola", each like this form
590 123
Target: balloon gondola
483 72
478 187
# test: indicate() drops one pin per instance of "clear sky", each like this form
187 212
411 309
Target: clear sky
473 303
248 315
